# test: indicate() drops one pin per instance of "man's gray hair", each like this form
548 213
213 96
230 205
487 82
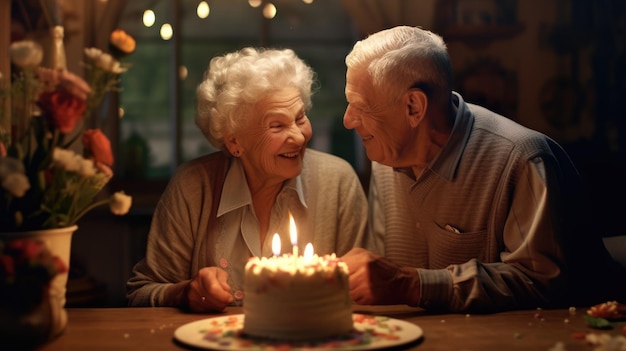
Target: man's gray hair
402 57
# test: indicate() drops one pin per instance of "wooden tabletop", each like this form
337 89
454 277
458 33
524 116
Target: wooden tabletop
153 329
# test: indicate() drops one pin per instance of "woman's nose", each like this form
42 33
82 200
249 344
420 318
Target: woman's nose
297 134
351 118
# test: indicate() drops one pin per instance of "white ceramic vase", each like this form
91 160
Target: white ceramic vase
50 319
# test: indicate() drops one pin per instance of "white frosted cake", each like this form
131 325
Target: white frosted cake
289 298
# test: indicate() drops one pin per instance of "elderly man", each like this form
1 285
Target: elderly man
470 211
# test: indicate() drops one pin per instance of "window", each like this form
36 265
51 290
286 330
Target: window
157 131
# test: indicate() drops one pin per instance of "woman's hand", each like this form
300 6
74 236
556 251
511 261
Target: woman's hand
376 280
209 290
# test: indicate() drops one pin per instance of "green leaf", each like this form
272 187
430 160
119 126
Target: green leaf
598 323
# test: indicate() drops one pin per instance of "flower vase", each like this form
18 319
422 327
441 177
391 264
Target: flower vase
48 319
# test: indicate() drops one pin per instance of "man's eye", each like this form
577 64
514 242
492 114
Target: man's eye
357 108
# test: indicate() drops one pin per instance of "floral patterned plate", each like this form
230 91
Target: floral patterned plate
370 332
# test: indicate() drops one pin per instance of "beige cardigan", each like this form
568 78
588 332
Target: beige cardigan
327 200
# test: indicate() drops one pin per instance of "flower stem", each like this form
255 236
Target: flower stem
87 209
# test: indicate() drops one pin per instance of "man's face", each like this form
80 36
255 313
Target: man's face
382 126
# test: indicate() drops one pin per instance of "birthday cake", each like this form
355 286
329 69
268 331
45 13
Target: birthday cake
296 298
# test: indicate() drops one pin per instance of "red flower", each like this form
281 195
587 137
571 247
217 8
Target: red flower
99 146
59 265
29 249
62 109
7 265
26 268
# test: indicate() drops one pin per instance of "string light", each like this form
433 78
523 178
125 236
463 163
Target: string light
183 72
269 10
203 9
166 31
148 18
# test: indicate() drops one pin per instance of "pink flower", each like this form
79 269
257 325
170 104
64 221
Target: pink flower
104 169
99 146
62 109
52 79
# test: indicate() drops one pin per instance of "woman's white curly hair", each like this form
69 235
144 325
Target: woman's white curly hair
236 81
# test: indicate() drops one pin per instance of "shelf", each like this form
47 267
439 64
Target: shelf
480 33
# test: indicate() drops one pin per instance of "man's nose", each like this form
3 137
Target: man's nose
351 118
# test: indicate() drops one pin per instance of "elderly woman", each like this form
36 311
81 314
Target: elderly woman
221 209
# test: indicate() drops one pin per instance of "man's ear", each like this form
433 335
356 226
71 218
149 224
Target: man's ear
417 103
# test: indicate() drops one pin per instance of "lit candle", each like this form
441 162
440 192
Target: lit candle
293 233
308 253
276 245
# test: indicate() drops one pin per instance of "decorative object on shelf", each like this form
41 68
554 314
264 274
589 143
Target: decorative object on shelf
477 22
487 83
48 180
33 277
563 102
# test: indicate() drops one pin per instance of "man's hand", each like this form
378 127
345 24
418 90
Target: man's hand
375 280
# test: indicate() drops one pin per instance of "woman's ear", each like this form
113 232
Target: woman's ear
417 103
233 146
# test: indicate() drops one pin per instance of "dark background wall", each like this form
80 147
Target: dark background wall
557 66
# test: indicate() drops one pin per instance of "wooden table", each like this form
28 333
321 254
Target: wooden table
153 329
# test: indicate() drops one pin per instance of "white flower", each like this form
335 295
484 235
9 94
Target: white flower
104 61
73 162
86 167
25 53
16 183
120 203
12 176
64 159
9 165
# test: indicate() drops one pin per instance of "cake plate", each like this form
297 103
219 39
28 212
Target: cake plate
370 333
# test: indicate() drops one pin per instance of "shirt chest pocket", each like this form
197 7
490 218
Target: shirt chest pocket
448 246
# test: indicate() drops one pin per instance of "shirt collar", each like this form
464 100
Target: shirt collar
234 195
447 162
449 158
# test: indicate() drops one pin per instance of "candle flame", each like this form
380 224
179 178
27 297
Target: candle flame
308 252
276 244
293 233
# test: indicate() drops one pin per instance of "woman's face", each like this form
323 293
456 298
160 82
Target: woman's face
274 140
